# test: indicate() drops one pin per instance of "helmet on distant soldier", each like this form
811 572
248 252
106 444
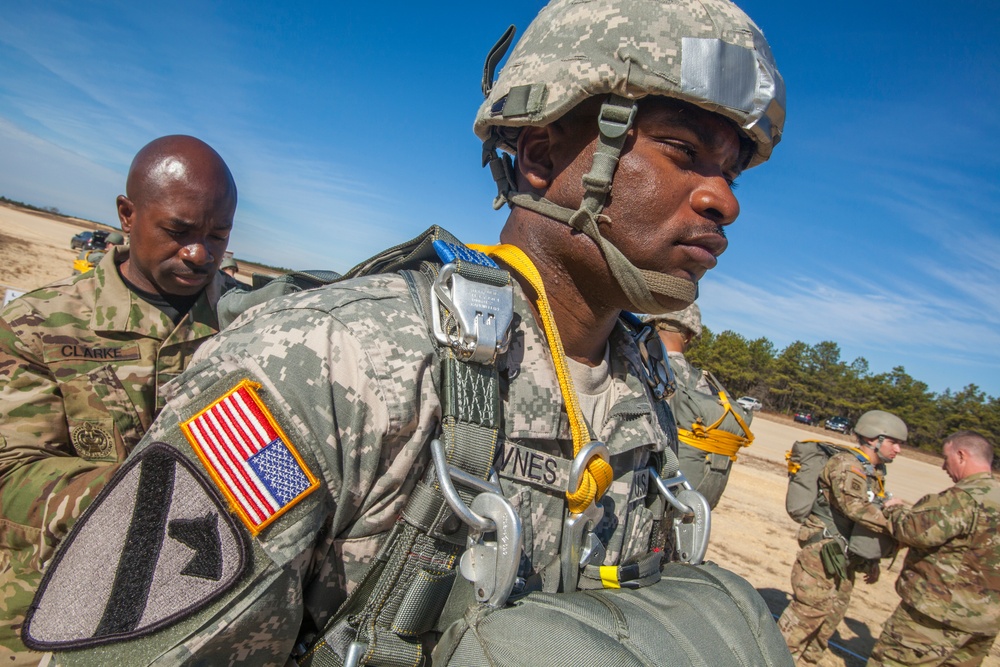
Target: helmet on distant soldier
228 263
688 320
704 52
880 424
115 238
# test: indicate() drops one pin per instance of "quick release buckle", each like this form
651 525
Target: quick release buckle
693 522
481 314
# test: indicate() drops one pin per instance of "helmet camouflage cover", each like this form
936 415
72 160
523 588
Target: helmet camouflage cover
704 52
688 319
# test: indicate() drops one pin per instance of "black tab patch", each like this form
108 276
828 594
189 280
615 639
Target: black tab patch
156 546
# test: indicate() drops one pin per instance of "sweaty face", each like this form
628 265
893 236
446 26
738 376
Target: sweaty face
672 192
178 235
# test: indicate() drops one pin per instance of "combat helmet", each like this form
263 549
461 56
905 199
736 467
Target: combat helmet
115 238
705 52
688 319
229 262
880 424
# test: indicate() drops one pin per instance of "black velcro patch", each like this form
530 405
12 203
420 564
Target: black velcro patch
156 546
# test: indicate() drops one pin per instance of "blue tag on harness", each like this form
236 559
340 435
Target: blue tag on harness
450 252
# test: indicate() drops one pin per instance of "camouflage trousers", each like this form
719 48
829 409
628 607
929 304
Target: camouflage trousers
17 589
911 638
819 603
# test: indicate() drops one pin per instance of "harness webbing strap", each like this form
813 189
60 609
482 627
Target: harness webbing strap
599 474
404 591
713 439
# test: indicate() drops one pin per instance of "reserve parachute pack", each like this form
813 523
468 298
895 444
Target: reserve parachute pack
806 460
636 613
728 430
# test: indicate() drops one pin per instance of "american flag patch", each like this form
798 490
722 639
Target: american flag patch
249 456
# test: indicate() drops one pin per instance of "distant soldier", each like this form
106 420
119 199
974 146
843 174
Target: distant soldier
950 583
711 426
229 266
845 533
83 360
88 259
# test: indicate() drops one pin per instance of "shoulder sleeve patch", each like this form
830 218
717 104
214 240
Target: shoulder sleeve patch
248 455
172 549
857 485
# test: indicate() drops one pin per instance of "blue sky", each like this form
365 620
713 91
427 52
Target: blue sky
348 128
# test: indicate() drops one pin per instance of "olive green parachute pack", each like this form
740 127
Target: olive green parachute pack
806 460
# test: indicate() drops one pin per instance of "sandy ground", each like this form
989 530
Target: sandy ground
751 533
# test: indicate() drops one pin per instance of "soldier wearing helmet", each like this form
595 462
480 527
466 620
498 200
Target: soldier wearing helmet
845 533
711 426
229 267
506 370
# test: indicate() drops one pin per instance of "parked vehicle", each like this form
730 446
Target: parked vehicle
80 240
749 403
97 241
839 424
804 417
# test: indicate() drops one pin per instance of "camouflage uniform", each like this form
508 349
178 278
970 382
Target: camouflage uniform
707 471
820 599
950 583
349 372
82 363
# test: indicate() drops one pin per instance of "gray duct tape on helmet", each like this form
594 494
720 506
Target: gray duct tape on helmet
705 52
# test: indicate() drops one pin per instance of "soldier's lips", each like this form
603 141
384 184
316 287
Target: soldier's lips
192 279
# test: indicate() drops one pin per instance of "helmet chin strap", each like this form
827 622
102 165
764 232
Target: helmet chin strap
878 450
616 117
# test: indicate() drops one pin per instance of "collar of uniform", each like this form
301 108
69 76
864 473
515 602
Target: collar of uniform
534 407
117 308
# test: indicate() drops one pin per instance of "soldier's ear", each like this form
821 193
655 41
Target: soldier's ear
534 158
126 211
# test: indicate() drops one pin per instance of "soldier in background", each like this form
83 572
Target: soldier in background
950 583
88 259
841 536
710 425
83 360
229 267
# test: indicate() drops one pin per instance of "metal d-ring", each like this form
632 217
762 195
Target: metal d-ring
580 462
445 474
677 480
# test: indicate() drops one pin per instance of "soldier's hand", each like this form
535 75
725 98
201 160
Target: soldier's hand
893 502
872 575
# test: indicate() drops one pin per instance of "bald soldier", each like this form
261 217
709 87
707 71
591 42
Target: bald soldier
950 583
83 360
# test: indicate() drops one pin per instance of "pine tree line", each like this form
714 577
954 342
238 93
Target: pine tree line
814 378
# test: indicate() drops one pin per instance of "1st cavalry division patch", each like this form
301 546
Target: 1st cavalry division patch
248 455
155 546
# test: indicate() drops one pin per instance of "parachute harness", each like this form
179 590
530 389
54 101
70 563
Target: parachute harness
598 475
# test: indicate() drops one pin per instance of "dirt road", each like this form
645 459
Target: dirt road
752 535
